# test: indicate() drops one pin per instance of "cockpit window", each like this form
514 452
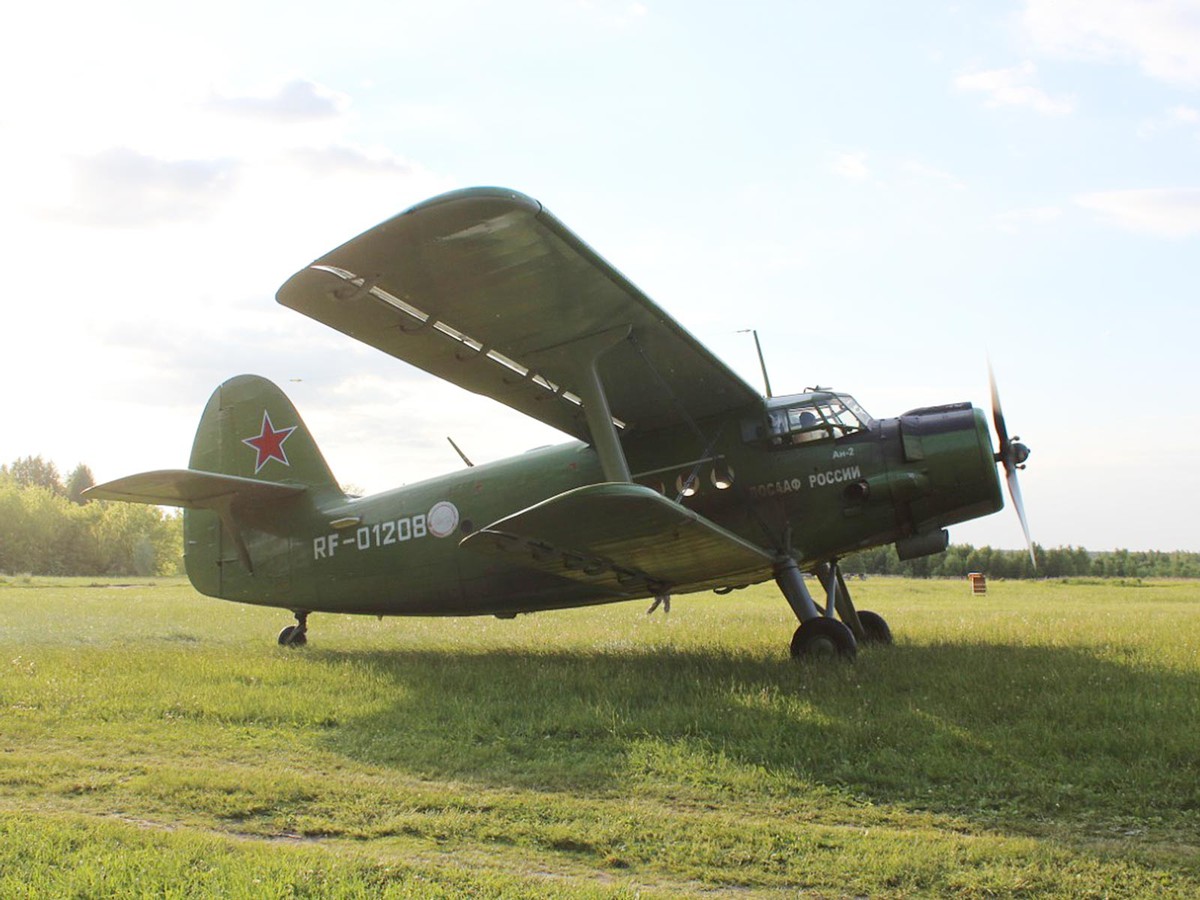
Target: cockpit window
813 417
800 418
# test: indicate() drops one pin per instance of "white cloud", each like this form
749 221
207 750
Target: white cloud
933 174
620 14
172 220
1162 212
852 166
125 188
1160 36
348 160
1014 220
1175 118
300 100
1014 87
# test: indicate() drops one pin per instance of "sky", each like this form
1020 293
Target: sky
890 194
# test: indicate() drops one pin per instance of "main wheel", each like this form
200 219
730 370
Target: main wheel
292 636
875 628
823 638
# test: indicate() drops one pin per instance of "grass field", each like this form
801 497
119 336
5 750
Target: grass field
1041 741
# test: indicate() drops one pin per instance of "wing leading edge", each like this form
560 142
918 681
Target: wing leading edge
625 538
485 288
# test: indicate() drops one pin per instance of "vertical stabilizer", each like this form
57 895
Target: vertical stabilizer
242 542
251 429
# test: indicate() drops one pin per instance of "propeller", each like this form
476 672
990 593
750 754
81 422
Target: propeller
1013 454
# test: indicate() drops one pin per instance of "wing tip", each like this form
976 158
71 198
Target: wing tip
482 192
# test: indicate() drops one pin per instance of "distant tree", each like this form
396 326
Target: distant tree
43 533
144 556
1054 562
980 560
954 562
1115 564
79 481
33 471
10 521
40 525
873 561
134 539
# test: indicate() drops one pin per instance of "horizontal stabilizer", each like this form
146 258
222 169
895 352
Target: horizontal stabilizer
191 489
626 538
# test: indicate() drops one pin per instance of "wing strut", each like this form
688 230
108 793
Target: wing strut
582 355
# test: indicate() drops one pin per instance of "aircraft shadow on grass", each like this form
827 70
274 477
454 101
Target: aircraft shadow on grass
996 732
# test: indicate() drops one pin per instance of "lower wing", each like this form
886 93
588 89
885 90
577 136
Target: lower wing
626 538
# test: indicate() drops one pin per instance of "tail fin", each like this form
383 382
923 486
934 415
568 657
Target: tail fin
251 444
252 460
250 429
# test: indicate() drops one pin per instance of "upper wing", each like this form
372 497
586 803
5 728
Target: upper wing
485 288
626 538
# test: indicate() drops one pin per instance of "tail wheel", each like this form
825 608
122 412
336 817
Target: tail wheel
823 638
875 628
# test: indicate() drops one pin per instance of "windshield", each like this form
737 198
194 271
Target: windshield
808 417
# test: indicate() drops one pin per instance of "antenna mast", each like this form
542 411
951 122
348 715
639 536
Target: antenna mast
761 362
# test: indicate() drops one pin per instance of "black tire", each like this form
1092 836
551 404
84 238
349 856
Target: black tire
292 636
875 628
823 638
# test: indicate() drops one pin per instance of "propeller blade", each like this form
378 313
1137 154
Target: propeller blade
998 413
1013 455
1014 491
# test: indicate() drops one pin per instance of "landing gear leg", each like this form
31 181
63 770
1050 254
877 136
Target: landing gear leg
818 635
868 627
791 582
295 635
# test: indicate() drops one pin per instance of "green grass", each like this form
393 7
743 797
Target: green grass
1041 741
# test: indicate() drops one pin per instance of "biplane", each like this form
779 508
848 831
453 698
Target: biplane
679 476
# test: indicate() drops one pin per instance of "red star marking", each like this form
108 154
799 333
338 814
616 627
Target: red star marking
269 443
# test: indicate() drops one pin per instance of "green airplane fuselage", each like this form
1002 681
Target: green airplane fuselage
681 477
899 480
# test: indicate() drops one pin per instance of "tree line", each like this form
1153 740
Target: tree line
47 527
1055 562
